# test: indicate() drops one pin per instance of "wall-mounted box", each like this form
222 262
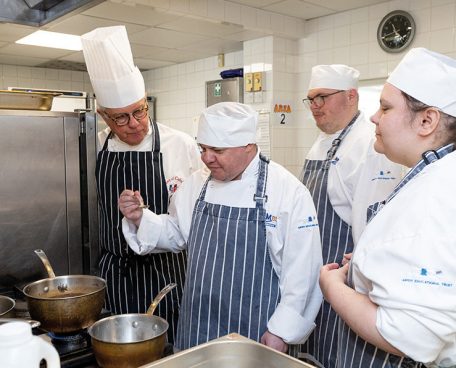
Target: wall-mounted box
223 90
248 79
257 81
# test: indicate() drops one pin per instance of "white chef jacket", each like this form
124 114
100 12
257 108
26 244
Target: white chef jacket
181 156
291 229
405 263
360 176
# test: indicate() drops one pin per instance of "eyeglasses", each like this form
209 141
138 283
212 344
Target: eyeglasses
319 100
124 118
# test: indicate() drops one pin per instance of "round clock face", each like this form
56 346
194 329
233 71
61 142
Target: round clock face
396 31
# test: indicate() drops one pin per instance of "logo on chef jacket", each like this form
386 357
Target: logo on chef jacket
427 277
383 175
173 183
271 220
310 221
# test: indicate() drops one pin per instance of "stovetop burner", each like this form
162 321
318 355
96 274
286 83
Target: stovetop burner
66 343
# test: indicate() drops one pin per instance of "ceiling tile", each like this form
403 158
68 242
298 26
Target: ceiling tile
135 14
147 64
299 9
215 46
80 24
202 27
256 3
245 35
346 4
33 51
164 38
12 32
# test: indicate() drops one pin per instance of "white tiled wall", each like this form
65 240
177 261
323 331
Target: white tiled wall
29 77
181 89
348 38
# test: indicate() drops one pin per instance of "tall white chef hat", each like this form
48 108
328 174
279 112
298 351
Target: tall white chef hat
335 76
116 81
429 77
227 124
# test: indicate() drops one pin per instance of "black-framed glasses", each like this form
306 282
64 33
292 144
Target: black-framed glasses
319 100
124 118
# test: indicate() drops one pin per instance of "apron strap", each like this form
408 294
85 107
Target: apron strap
336 142
260 196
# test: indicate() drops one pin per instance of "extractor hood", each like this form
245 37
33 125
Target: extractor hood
40 12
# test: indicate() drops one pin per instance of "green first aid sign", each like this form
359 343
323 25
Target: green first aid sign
217 89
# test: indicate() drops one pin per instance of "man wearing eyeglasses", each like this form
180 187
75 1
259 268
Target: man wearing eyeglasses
344 175
142 155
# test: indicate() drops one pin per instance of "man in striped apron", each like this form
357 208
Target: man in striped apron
136 153
342 172
396 299
252 238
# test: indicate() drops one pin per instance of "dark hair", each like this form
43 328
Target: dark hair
448 134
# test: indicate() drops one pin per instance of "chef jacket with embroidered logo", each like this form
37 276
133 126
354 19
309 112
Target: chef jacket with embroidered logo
292 235
414 236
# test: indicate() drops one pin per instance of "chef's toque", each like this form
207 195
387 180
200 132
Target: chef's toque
428 77
116 81
227 124
335 76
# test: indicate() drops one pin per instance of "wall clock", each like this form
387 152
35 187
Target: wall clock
396 31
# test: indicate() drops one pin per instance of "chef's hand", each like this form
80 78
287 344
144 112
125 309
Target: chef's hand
332 276
346 259
129 202
274 342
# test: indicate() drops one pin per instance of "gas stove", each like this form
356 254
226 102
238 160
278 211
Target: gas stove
74 349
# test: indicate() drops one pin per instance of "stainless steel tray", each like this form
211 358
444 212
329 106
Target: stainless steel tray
227 352
19 100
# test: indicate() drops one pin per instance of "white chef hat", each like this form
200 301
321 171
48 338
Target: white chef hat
116 81
227 124
429 77
335 76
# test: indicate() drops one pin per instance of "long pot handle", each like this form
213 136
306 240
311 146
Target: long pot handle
40 253
159 297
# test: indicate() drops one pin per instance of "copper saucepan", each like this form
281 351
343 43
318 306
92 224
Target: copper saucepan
130 340
65 304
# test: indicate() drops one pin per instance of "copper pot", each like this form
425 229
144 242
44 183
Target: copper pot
130 340
7 307
65 304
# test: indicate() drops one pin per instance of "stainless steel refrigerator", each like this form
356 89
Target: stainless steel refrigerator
47 194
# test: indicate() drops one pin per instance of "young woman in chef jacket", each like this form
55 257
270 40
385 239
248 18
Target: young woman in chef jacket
397 296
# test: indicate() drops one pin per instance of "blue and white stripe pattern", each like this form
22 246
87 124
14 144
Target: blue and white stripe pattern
132 280
336 239
353 351
231 284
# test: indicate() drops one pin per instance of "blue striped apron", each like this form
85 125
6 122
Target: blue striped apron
231 285
336 240
132 280
353 350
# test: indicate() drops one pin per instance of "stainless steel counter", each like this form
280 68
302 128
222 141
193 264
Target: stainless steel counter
229 351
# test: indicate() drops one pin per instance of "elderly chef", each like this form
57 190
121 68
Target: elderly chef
252 236
400 306
140 154
345 175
